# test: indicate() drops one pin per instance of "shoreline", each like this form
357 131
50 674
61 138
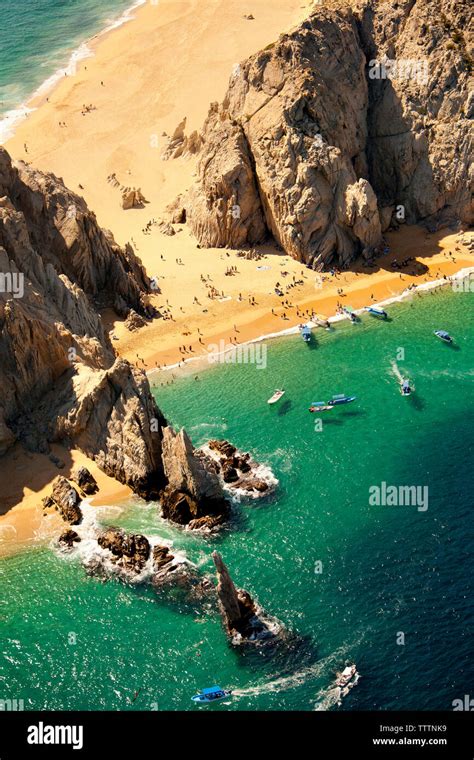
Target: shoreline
22 525
333 319
155 71
11 119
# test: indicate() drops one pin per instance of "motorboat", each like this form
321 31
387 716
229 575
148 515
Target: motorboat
212 694
340 398
376 311
405 388
305 333
350 314
346 676
276 397
320 406
443 335
320 322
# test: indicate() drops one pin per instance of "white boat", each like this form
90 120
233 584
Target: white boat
276 397
444 336
405 387
320 406
344 678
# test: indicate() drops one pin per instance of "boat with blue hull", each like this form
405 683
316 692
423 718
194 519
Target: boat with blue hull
320 406
212 694
376 311
305 333
340 398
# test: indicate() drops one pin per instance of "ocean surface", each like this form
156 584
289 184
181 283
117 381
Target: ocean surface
40 39
72 641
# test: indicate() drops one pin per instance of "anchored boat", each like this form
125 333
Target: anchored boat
305 333
348 311
321 322
212 694
320 406
443 335
276 397
376 311
340 398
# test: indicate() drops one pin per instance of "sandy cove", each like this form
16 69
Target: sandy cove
171 61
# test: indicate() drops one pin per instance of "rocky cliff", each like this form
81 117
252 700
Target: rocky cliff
59 377
60 380
319 142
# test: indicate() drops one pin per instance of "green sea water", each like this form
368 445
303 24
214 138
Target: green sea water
386 570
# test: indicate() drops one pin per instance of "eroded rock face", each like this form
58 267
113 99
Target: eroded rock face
420 126
130 550
85 480
59 377
239 611
192 491
67 500
114 421
224 209
309 147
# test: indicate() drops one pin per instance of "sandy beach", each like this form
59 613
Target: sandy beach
171 61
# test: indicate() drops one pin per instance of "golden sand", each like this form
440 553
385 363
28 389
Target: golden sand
172 61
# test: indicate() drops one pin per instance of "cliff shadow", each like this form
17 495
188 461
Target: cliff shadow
22 471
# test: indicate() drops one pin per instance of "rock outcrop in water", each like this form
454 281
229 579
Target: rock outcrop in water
238 470
66 500
130 550
310 146
193 493
239 612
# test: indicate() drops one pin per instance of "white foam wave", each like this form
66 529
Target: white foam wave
92 555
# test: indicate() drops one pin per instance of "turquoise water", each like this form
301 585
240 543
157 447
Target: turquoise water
385 570
37 37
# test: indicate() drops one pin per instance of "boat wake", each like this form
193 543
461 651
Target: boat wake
396 371
325 698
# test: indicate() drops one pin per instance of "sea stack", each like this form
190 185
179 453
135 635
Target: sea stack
239 611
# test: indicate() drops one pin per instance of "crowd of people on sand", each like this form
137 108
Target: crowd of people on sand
188 350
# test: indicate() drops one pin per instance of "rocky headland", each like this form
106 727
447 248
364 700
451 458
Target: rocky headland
359 119
61 381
